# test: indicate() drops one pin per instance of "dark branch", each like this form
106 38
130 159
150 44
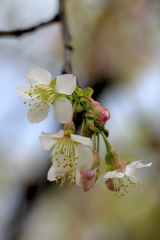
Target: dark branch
67 67
19 32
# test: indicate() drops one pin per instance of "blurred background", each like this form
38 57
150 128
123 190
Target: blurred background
116 51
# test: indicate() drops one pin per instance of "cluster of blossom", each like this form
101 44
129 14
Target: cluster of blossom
74 158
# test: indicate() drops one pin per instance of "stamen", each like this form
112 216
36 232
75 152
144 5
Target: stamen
121 184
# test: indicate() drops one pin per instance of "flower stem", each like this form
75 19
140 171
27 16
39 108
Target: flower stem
98 143
107 144
95 145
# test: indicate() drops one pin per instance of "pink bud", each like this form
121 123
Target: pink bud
89 174
88 179
103 113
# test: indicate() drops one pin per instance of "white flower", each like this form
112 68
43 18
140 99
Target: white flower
70 154
44 91
118 179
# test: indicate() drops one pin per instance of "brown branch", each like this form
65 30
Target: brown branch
19 32
67 67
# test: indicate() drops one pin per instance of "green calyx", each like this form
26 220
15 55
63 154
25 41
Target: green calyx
112 160
68 133
82 99
88 126
69 128
87 92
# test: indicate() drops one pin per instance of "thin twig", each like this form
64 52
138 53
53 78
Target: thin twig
67 67
19 32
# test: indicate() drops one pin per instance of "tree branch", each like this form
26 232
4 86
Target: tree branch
67 67
19 32
61 17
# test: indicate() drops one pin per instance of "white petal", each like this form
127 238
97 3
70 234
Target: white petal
60 134
78 178
140 165
85 161
60 170
114 174
133 164
38 116
47 142
51 176
129 171
53 173
62 110
65 84
80 139
22 91
39 76
130 168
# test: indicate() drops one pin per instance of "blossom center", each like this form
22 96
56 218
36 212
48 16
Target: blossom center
64 158
69 177
120 185
41 94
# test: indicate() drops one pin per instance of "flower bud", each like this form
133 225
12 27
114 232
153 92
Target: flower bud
103 113
88 179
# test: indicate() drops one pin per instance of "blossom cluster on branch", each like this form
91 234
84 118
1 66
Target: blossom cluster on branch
76 159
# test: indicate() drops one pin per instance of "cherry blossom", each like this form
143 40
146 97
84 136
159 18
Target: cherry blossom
69 155
44 91
118 179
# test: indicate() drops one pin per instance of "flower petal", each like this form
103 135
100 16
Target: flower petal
140 165
129 171
38 116
62 110
130 168
80 139
47 142
51 176
23 91
78 178
65 84
39 76
114 174
60 134
60 171
85 161
133 164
